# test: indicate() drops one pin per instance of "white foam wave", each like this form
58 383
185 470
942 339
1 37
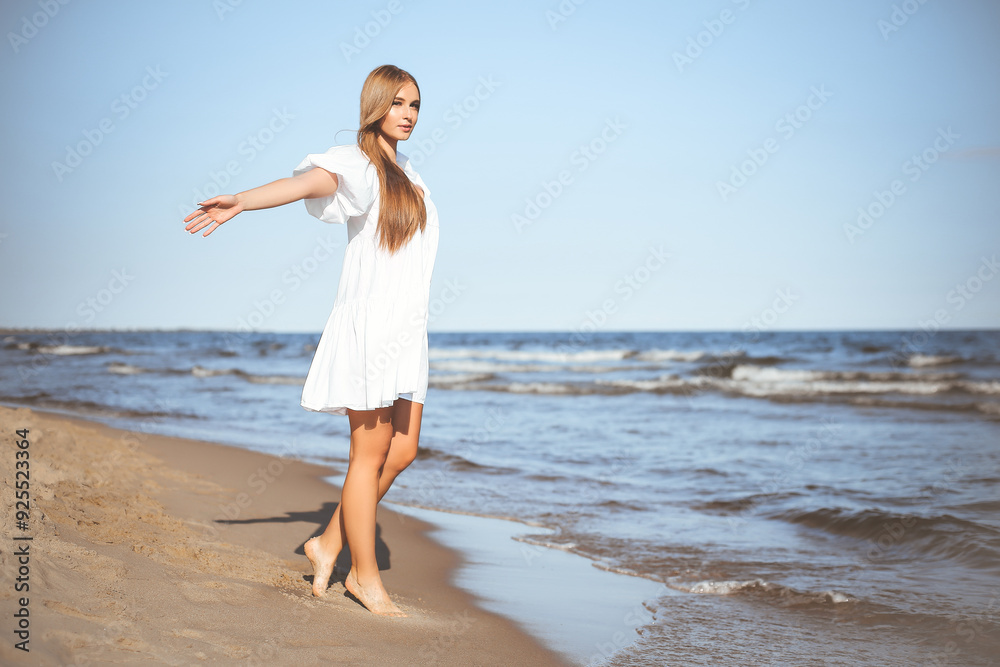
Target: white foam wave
988 408
920 360
671 355
561 546
710 587
202 372
125 369
450 379
716 587
664 382
552 356
757 381
273 379
484 366
992 387
540 388
72 349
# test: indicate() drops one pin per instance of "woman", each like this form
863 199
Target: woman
371 360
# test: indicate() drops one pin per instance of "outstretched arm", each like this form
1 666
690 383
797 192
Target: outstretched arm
213 212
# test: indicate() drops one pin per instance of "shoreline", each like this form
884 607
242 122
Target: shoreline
154 548
582 610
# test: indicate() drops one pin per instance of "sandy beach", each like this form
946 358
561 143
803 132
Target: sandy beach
152 549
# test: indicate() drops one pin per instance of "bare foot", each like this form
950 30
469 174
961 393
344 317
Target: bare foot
373 597
322 563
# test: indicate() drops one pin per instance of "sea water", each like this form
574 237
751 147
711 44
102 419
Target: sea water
824 498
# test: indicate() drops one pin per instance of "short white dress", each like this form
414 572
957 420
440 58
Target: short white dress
373 348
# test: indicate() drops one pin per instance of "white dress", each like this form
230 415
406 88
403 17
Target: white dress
373 349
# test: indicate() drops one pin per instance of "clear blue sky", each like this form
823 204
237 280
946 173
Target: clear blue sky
832 100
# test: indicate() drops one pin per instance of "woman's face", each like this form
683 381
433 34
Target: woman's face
398 123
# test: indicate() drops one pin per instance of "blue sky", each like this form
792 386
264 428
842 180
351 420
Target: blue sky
626 166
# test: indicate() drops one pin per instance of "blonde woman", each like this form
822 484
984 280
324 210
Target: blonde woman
371 360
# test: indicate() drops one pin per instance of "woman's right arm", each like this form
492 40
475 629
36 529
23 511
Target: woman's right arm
213 212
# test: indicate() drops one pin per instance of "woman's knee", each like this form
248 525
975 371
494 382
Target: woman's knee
368 459
401 454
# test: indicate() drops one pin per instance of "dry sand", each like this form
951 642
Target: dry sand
155 549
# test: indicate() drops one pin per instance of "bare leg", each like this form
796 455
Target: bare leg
368 431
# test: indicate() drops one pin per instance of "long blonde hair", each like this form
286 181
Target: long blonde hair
401 208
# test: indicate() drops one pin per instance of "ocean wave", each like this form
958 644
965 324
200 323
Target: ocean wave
787 595
553 356
992 387
753 373
445 380
990 409
739 505
755 383
570 356
44 400
201 372
120 368
619 506
547 388
921 360
537 541
264 346
670 355
941 536
65 350
484 366
459 462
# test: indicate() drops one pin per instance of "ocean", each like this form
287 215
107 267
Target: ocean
824 498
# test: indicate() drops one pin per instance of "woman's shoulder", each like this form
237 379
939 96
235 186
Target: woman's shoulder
348 152
353 155
405 164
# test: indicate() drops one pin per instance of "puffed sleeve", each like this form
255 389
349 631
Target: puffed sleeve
355 192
